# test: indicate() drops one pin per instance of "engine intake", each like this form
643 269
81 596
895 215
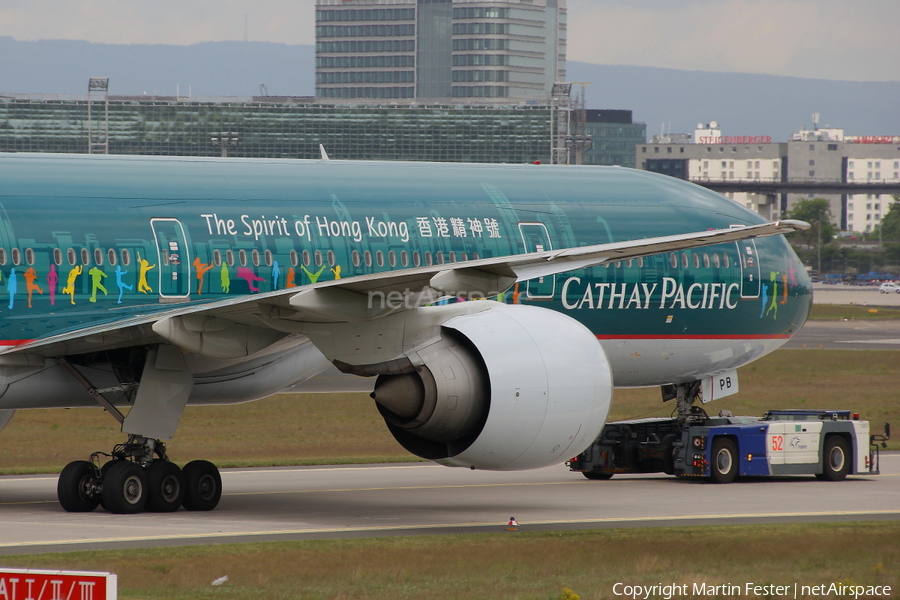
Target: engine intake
443 401
513 387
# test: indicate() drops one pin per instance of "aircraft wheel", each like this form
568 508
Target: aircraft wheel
103 471
203 485
125 488
76 487
597 476
724 467
835 459
165 486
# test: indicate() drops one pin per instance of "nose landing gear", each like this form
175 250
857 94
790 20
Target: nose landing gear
138 476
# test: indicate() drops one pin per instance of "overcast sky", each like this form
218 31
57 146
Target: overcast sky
828 39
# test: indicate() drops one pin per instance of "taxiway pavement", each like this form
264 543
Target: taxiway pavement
418 498
847 335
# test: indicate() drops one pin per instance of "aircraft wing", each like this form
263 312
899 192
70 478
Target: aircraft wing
243 325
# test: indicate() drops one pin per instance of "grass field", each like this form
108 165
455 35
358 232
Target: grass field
504 565
292 429
838 312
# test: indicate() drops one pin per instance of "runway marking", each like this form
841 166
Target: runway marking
405 487
314 469
282 532
884 341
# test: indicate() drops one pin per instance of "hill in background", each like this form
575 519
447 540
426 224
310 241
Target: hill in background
670 99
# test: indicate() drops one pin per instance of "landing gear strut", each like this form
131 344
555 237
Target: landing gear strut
138 474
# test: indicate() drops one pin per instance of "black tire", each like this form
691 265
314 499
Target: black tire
723 466
203 485
597 476
835 459
165 486
103 471
125 488
75 487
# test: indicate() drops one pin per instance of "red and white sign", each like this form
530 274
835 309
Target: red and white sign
873 139
30 584
739 139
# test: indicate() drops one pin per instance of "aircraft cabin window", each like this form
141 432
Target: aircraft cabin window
355 257
306 258
318 256
725 260
242 257
474 256
463 256
684 260
98 256
255 256
629 263
367 255
379 258
392 258
85 256
111 256
330 257
16 257
29 256
229 258
417 258
673 260
294 258
716 260
618 264
126 257
451 257
641 262
705 260
696 261
404 258
70 254
268 258
440 257
427 258
57 256
217 257
2 256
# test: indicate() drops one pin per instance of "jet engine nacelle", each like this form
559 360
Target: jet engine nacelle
513 387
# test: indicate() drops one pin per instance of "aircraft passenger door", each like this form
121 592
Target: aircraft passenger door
537 239
749 261
174 261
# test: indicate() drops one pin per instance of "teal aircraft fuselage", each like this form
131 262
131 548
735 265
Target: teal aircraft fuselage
92 240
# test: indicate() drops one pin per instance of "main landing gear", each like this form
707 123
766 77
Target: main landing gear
138 476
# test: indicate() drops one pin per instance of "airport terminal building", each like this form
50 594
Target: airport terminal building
278 127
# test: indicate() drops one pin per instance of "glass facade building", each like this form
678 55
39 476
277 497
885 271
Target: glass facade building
504 50
287 129
614 136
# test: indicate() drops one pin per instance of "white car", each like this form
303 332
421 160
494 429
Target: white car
889 288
